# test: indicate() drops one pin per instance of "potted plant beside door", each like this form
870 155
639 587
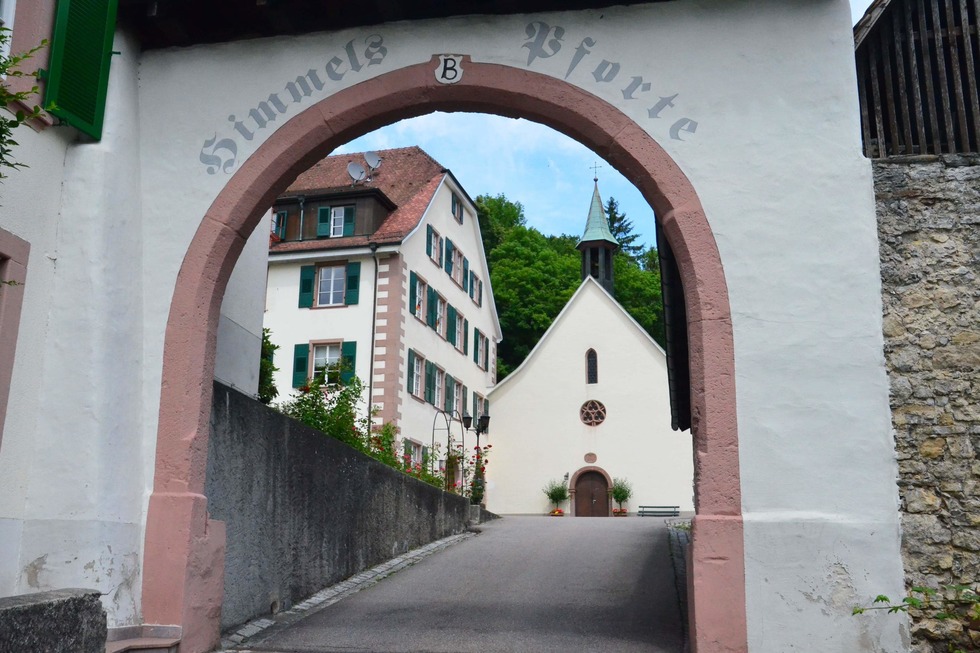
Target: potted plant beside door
557 493
622 490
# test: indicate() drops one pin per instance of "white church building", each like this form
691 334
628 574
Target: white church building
589 404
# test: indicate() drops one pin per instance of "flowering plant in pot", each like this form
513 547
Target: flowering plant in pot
622 490
557 493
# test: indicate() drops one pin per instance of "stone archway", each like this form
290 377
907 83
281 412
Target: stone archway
184 550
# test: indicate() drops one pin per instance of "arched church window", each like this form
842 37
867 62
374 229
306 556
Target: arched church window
591 367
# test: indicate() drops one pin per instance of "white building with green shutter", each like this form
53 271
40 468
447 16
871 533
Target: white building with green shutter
385 278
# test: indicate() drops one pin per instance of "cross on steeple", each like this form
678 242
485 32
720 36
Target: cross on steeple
595 170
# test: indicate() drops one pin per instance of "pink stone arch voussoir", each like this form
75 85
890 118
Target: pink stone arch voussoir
184 550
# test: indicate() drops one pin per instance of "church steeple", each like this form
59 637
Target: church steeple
598 244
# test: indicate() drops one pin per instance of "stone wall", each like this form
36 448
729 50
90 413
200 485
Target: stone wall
929 230
59 621
303 511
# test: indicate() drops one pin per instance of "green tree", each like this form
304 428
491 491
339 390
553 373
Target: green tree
639 292
622 230
532 280
650 260
497 216
267 369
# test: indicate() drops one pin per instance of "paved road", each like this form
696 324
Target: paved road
535 584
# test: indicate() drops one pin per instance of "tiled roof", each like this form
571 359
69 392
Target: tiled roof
407 176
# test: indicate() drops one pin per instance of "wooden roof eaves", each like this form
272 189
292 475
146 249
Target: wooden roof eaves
869 20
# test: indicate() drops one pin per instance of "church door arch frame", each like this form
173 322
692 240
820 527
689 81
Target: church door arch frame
573 484
184 550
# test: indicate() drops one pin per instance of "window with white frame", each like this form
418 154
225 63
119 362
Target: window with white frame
413 451
479 405
417 386
440 316
457 205
326 361
458 266
418 378
474 287
331 285
435 246
438 394
483 350
460 332
458 397
337 222
421 288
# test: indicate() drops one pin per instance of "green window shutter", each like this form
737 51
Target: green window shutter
479 297
466 274
450 391
466 337
411 370
428 240
449 257
476 345
348 220
81 51
430 382
486 351
413 282
353 283
474 414
430 313
307 277
425 454
301 364
486 406
348 361
323 222
462 406
451 324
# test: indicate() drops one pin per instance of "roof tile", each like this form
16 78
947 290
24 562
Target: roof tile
408 176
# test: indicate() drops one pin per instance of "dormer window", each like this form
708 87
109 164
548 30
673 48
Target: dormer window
335 221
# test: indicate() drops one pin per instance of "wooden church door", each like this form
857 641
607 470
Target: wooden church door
591 495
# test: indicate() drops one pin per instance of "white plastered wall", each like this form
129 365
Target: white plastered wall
537 434
418 417
74 515
777 165
290 325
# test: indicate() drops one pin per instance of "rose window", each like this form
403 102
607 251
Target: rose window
593 412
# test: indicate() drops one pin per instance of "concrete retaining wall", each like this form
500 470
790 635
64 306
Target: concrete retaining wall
59 621
303 511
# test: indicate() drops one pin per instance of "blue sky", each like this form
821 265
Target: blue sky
547 172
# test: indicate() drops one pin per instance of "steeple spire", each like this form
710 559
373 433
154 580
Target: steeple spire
598 244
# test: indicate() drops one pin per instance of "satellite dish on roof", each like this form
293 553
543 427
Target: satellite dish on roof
373 160
356 171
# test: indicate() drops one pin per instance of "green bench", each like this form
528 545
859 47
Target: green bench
659 511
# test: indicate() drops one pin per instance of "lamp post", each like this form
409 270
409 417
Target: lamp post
482 426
